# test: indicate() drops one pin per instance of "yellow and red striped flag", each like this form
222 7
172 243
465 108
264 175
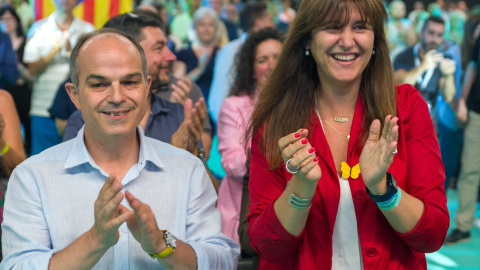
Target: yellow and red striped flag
96 12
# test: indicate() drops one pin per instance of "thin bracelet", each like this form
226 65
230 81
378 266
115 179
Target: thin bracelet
394 203
298 202
5 149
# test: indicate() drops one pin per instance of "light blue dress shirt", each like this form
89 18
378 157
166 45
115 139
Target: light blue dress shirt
50 203
223 75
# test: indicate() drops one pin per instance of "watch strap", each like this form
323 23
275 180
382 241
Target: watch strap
167 251
391 190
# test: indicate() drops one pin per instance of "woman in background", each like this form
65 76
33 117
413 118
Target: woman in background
22 90
253 65
196 62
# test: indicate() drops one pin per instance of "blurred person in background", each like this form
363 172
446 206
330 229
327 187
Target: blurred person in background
229 16
196 62
468 113
47 55
21 90
253 64
12 152
253 17
286 16
418 7
433 67
400 31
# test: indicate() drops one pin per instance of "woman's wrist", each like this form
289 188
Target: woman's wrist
380 187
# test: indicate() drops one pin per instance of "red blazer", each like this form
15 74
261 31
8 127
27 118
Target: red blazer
418 169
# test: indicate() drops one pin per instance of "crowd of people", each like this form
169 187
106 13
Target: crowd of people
339 125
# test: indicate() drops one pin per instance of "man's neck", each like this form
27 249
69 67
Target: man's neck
63 19
115 155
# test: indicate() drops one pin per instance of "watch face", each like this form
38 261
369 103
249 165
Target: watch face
171 240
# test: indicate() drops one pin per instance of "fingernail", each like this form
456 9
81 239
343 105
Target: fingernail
316 159
311 150
304 141
296 135
303 130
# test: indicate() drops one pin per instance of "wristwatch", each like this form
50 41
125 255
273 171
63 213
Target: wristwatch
202 156
391 190
171 246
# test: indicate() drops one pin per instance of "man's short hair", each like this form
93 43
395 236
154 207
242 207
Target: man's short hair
433 19
132 23
251 11
104 31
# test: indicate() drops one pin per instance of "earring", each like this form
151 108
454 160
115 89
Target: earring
307 52
373 52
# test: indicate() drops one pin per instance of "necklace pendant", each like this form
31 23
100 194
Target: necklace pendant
340 119
348 138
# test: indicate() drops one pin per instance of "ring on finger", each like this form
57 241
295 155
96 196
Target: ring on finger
396 151
290 169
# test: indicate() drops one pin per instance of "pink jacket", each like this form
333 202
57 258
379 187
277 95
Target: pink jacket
233 118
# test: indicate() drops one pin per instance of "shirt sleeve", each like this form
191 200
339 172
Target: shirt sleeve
267 235
74 124
230 134
61 104
475 51
8 63
26 242
425 177
36 47
214 250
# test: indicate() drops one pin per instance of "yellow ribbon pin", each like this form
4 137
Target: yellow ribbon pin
347 171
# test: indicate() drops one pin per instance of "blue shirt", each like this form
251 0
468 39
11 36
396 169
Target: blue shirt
223 75
165 118
50 203
62 106
8 62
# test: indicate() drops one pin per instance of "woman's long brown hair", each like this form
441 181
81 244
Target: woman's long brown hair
287 101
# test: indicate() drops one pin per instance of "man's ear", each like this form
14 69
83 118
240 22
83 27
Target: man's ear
148 83
72 92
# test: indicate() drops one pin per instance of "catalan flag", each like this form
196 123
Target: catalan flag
96 12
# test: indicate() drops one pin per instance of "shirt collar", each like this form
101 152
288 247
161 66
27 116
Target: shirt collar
79 154
159 105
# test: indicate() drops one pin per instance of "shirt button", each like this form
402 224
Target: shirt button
371 251
360 194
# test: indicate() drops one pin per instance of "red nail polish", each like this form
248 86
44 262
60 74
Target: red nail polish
316 159
311 150
296 135
302 130
304 141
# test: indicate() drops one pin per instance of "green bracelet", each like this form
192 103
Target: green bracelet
394 203
298 202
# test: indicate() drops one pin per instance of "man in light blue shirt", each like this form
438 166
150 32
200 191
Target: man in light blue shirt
99 200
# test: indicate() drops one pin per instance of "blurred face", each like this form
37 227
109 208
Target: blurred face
215 5
398 10
112 91
159 57
266 57
9 24
265 21
341 54
206 29
432 36
65 5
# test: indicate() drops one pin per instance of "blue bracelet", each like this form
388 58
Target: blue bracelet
394 203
